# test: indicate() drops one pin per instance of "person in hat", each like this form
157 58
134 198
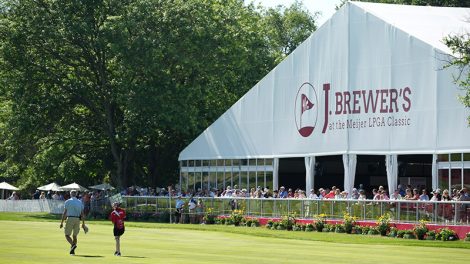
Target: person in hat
73 212
179 209
117 216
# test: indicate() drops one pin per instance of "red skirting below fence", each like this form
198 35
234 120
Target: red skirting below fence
461 230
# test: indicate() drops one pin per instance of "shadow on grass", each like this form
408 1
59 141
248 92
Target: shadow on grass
89 256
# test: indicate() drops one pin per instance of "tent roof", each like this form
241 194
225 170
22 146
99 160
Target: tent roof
427 23
363 48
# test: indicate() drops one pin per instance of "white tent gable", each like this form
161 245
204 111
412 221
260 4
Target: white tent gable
370 80
427 23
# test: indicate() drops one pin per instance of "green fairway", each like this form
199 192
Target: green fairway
43 242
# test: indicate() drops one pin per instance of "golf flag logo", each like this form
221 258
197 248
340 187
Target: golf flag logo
306 105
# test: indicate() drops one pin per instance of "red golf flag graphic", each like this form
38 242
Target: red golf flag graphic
306 104
306 109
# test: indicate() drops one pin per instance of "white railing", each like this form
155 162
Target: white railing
439 212
32 206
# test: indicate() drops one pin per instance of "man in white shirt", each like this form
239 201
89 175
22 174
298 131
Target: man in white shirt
73 212
312 194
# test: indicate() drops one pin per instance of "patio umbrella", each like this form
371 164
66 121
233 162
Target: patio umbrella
102 187
50 187
6 186
73 186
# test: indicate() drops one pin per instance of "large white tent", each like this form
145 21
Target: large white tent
371 80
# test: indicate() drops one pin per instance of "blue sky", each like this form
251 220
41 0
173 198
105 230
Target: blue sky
326 7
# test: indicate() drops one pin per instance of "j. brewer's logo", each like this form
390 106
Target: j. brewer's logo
357 109
306 109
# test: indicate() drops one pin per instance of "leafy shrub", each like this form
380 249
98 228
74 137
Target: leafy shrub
409 234
236 217
467 237
373 231
269 224
400 233
220 220
356 230
281 226
349 222
431 235
320 222
340 228
383 224
420 230
309 228
393 232
254 222
446 234
365 230
209 217
297 227
288 222
274 226
248 221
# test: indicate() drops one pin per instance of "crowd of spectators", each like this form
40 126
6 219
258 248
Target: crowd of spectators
400 193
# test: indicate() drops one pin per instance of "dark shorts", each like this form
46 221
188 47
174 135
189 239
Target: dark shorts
118 232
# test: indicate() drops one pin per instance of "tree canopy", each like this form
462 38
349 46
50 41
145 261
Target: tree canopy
109 90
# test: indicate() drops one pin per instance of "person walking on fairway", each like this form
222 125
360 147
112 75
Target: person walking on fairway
73 212
117 216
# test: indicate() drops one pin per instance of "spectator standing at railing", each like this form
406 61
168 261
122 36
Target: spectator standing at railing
192 210
36 195
464 197
200 210
375 194
14 196
179 204
395 195
282 192
290 193
354 194
362 195
330 195
415 194
401 190
42 196
338 194
384 195
275 194
424 196
435 196
312 194
445 196
408 195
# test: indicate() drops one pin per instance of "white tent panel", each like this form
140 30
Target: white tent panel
370 80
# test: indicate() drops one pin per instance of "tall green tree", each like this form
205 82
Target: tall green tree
107 89
460 46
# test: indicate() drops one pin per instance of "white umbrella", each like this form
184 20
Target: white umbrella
6 186
73 186
50 187
102 187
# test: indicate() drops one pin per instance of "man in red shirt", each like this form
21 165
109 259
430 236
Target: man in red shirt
117 216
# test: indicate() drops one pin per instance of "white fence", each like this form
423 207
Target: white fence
32 206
